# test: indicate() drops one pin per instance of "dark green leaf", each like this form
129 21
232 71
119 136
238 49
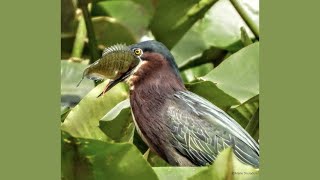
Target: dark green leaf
138 142
92 159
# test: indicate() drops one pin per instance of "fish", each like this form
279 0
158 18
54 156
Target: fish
114 63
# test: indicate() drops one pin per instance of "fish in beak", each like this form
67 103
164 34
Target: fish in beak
117 64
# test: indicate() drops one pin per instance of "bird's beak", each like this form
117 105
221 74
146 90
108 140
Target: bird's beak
112 83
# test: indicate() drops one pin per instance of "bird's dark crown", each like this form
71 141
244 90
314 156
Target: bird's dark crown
157 47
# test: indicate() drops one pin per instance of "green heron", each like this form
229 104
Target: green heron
180 126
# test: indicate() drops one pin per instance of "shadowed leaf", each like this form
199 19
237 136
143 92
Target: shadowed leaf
92 159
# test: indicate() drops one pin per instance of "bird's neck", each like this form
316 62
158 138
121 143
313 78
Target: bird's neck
150 87
155 76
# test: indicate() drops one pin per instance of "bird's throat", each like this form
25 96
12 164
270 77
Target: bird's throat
151 85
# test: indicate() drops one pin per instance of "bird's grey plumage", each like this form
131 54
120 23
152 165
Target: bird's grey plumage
200 131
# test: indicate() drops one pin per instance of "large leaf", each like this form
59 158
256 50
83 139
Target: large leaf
109 31
243 113
238 75
173 19
133 14
223 24
192 74
219 29
71 73
227 166
213 94
120 129
83 120
115 111
93 159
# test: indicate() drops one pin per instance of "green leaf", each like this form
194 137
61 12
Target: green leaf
71 73
115 111
192 74
135 15
83 120
176 173
173 19
155 160
218 30
227 166
138 142
101 160
109 31
121 129
243 113
213 94
222 26
238 75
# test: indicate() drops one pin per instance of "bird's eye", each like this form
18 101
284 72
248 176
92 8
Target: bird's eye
137 52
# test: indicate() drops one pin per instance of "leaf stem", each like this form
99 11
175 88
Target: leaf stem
80 39
83 4
245 16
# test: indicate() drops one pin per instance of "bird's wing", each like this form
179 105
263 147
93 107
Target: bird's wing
200 131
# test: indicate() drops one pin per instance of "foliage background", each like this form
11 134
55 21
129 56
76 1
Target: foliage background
216 47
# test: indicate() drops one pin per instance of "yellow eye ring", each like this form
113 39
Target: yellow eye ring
137 52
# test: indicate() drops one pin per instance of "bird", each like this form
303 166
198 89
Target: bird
181 127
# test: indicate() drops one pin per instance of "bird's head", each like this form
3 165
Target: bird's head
157 65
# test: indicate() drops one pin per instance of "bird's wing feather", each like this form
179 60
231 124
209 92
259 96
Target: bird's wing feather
200 131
